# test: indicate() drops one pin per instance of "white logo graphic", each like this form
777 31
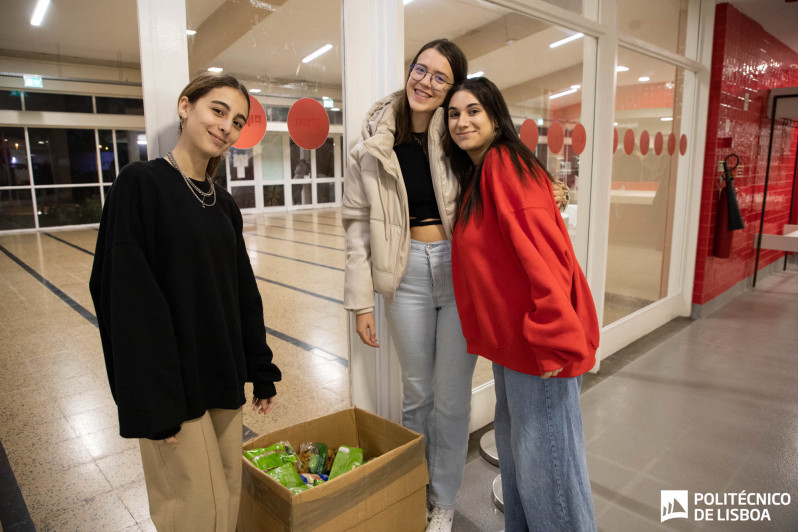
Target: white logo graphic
673 504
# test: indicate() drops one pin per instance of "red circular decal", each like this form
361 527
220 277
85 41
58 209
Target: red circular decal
556 136
683 144
644 142
255 128
658 143
579 139
671 144
629 141
308 123
530 134
614 140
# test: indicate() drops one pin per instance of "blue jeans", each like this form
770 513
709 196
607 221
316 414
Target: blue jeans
436 369
538 427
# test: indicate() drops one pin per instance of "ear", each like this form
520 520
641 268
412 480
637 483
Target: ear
183 106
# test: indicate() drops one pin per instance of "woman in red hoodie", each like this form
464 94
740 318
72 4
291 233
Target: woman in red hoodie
525 305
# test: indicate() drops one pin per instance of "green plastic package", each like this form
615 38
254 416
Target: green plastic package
317 461
347 459
273 456
287 475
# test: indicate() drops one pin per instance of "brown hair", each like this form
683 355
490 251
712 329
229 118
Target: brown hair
459 65
202 85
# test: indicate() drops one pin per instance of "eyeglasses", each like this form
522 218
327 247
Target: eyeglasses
438 81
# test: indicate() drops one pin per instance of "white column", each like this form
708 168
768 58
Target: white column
373 40
164 69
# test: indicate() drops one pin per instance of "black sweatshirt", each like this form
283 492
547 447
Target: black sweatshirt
180 315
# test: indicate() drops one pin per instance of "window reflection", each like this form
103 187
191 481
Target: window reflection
68 206
63 156
16 210
13 157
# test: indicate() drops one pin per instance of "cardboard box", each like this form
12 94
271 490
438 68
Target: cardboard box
387 493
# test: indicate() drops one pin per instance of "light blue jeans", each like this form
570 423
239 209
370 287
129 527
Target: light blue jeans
436 369
538 427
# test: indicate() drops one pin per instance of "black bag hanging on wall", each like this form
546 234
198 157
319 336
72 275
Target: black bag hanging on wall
729 217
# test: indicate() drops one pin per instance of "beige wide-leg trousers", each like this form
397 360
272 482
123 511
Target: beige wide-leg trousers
195 484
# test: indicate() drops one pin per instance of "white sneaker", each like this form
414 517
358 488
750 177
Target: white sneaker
440 520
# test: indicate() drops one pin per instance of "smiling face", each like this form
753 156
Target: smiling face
214 122
421 96
469 125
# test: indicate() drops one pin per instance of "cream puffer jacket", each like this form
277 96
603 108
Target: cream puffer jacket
375 209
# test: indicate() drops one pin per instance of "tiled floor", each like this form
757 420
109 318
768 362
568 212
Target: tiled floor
707 406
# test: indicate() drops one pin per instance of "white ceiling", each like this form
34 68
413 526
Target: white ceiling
270 52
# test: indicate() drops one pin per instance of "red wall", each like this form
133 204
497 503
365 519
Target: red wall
745 58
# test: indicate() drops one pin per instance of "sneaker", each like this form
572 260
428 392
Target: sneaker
440 520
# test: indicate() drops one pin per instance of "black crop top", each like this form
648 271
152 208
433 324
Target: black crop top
418 181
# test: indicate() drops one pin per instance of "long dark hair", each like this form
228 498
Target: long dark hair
468 174
202 85
459 65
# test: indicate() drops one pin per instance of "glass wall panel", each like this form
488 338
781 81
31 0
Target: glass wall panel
244 197
131 146
300 169
119 106
106 147
241 165
67 103
325 193
13 157
659 22
10 100
273 195
325 159
644 167
541 84
68 206
63 156
16 210
271 157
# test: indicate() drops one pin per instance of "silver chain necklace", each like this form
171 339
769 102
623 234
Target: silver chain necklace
197 191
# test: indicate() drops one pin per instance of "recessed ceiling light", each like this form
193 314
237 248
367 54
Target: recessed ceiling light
621 68
667 119
644 78
38 13
323 50
573 37
576 87
254 91
191 32
407 1
338 108
477 74
215 70
561 94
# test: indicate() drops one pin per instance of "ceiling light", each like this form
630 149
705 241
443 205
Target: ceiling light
38 13
615 123
477 74
644 78
573 37
215 70
667 119
576 87
621 68
254 91
324 49
141 140
338 108
407 1
191 32
561 94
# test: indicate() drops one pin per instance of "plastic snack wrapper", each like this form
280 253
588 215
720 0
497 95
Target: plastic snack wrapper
313 480
287 475
273 456
346 459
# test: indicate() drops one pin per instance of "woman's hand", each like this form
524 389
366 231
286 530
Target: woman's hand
561 194
263 406
365 328
551 374
171 439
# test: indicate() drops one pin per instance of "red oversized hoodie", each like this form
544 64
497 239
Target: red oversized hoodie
523 300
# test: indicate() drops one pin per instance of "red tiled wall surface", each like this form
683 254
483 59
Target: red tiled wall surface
745 59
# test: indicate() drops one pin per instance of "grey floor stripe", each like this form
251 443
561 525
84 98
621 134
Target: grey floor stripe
300 230
14 515
296 260
293 241
309 347
302 290
69 244
77 307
